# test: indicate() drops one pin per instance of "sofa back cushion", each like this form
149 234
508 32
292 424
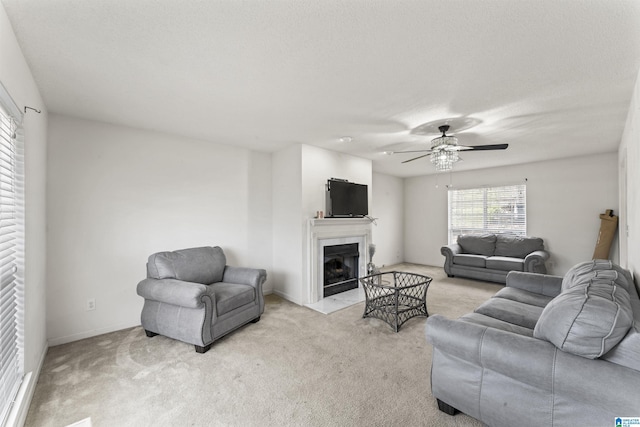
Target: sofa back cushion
199 265
599 268
587 319
484 244
517 246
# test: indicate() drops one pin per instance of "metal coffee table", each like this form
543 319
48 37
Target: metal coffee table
395 297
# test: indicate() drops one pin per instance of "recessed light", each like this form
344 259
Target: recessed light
345 139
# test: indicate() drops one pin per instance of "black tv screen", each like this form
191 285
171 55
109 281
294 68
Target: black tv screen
346 199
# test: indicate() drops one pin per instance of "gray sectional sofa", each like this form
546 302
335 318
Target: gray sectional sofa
491 257
544 351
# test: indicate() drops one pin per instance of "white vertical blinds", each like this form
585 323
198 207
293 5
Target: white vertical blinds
11 261
488 210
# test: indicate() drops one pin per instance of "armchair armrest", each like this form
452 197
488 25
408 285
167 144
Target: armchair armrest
534 262
245 276
176 292
543 284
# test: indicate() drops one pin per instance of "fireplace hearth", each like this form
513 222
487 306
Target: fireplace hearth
341 265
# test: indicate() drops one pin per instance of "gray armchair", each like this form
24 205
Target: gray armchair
191 295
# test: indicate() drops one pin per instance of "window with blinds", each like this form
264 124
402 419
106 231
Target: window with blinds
488 210
11 250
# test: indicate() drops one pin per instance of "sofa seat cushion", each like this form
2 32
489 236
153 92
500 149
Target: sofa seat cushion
627 352
505 263
230 296
587 320
515 312
481 319
479 245
199 265
470 260
517 246
523 296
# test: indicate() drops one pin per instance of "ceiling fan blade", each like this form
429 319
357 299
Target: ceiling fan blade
416 158
408 151
483 147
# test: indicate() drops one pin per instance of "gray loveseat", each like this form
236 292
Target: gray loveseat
491 257
191 295
544 351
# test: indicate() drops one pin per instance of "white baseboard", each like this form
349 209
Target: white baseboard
286 296
20 409
89 334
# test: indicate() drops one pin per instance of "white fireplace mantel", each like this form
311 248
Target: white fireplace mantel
333 231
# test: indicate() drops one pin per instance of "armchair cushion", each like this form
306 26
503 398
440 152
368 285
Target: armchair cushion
230 296
199 265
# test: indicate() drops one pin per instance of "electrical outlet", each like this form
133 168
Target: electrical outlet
91 304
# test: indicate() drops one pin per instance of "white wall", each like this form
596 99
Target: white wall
300 173
629 157
564 199
287 225
318 165
117 195
388 208
17 79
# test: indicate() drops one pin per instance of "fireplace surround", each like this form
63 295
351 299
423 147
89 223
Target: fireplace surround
326 232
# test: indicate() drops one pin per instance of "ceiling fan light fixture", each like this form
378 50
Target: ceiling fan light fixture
444 160
443 154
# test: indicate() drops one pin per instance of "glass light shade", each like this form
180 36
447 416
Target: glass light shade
442 157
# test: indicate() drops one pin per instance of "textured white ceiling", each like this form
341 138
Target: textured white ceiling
553 78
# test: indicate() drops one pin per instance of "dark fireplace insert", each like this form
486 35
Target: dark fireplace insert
340 268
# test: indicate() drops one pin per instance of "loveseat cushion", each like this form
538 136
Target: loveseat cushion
479 245
199 265
470 260
510 311
492 322
504 263
525 297
588 319
517 246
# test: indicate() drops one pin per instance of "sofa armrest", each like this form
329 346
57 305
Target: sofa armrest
526 359
543 284
449 251
176 292
534 262
452 249
245 276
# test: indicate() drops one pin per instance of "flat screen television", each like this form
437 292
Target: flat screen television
346 199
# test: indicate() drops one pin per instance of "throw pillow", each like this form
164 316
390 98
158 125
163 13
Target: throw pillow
587 320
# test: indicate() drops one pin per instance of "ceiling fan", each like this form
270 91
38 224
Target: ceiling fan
444 150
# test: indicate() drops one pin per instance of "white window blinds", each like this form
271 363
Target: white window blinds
488 210
11 259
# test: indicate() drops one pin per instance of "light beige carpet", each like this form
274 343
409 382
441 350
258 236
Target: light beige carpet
294 367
